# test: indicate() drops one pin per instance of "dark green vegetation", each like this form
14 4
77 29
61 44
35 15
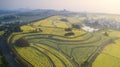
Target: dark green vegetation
2 62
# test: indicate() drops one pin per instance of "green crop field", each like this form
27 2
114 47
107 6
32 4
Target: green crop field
110 54
56 42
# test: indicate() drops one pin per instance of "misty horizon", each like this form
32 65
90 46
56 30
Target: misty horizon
94 6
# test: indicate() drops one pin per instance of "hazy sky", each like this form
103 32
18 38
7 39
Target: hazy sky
107 6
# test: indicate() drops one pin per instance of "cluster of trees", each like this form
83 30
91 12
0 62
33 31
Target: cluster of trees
69 34
64 20
9 17
106 34
22 43
37 30
75 26
69 30
10 27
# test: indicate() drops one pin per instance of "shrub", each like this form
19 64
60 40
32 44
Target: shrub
69 34
68 29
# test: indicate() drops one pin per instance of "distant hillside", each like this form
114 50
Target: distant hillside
25 16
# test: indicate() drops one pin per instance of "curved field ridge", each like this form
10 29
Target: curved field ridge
27 54
61 57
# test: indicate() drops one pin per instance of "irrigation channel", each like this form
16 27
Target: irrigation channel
6 53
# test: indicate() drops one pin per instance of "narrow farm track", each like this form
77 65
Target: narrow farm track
57 39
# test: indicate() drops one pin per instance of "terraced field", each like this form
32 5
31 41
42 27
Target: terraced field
50 47
110 54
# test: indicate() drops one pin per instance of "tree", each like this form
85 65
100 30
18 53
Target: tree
68 29
75 26
69 34
106 34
